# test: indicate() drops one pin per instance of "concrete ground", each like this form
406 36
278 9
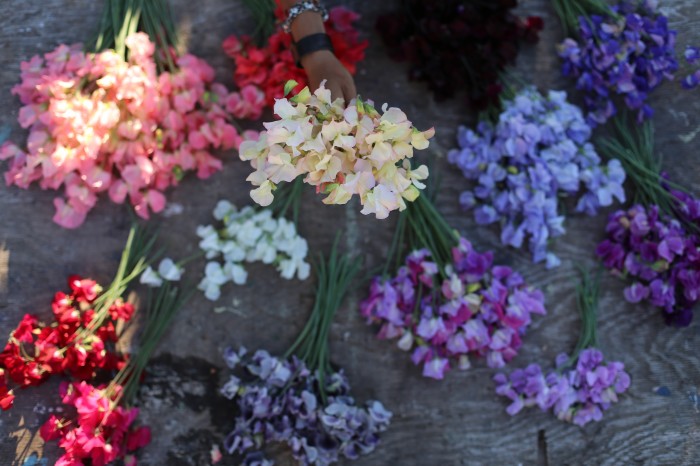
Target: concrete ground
457 421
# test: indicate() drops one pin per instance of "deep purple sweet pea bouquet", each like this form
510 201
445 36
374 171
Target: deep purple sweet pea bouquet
581 386
299 399
628 53
658 256
654 244
537 153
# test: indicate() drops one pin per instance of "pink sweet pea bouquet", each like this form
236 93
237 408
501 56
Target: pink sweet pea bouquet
109 122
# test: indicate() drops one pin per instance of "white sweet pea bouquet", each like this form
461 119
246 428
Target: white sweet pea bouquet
343 151
249 235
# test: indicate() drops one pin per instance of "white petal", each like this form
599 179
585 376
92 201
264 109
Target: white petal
150 277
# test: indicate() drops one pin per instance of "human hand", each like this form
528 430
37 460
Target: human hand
322 65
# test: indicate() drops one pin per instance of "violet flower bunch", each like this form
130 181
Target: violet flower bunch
537 153
627 53
299 399
581 387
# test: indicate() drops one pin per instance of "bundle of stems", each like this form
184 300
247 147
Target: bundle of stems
510 84
587 298
288 197
137 255
422 226
634 148
311 346
570 12
124 17
161 308
264 14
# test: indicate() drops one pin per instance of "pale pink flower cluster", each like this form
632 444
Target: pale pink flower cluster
342 151
99 123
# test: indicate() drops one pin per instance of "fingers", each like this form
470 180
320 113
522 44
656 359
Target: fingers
336 89
349 91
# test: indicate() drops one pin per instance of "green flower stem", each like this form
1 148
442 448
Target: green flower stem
121 18
264 14
432 231
395 249
139 246
634 148
311 346
569 12
587 298
158 316
287 196
182 262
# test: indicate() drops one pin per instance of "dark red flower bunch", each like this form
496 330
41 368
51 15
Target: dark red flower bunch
457 45
271 66
78 342
97 428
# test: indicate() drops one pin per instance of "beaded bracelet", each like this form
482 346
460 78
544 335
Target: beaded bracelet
302 7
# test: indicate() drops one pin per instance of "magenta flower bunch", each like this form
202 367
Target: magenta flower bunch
447 303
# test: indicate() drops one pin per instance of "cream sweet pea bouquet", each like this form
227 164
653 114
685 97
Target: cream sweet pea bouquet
343 151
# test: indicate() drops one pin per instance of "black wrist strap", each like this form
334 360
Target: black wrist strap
309 44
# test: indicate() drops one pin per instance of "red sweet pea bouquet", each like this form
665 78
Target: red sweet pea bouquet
79 340
36 350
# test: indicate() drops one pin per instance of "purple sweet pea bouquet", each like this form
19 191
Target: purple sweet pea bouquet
449 301
581 386
627 53
537 153
299 399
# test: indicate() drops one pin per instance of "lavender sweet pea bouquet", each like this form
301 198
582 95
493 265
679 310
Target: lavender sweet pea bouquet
537 153
299 399
581 387
449 302
626 52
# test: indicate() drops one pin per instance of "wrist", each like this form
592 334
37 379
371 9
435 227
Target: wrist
310 59
319 42
305 17
307 23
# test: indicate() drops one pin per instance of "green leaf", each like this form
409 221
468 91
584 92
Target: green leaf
289 86
178 172
302 97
